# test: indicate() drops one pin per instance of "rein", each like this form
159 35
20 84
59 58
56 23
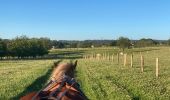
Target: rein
61 86
57 93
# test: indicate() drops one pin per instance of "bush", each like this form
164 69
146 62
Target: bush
123 43
25 47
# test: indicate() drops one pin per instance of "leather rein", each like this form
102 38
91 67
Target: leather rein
54 89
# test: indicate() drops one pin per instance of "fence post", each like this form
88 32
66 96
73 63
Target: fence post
131 64
103 56
112 57
142 63
125 55
118 58
157 67
94 56
108 58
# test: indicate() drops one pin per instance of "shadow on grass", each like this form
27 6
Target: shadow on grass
37 84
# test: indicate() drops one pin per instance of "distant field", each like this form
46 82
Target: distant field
99 79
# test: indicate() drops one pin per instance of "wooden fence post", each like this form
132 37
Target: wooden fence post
131 64
112 57
103 56
118 58
142 63
108 58
157 67
98 56
94 56
125 60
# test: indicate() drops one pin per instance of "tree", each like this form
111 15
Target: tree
168 42
145 42
123 43
19 47
61 45
46 43
113 43
3 48
86 44
73 45
25 47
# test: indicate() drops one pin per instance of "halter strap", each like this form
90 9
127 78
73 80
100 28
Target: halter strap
64 93
63 81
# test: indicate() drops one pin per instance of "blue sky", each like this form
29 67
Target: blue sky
85 19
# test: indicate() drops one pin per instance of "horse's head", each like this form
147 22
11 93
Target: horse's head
62 86
64 69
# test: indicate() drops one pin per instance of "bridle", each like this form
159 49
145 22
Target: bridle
54 90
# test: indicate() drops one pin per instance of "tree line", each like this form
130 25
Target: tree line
23 47
122 42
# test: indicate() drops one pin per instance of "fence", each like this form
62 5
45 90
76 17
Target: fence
110 57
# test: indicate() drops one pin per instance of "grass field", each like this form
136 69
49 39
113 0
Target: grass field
99 79
20 77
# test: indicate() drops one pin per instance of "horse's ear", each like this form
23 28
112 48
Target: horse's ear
55 64
75 63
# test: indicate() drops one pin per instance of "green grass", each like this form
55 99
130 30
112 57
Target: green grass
107 80
18 76
99 79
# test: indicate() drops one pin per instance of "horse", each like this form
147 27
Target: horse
62 85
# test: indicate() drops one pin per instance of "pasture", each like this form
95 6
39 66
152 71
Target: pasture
100 79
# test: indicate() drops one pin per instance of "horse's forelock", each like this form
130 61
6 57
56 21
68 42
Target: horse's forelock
64 68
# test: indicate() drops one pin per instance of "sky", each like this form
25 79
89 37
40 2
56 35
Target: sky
85 19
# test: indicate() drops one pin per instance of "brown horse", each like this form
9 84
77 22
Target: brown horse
61 87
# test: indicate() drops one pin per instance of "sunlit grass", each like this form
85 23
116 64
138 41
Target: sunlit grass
16 76
107 80
99 79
